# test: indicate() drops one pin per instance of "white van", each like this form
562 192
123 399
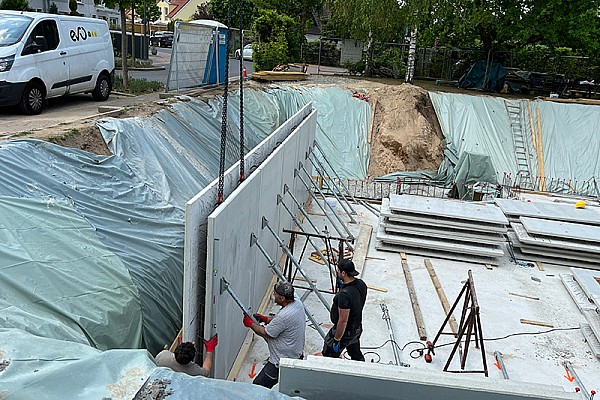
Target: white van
47 55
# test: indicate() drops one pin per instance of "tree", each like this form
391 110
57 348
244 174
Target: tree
303 9
18 5
123 5
53 8
279 33
201 12
218 9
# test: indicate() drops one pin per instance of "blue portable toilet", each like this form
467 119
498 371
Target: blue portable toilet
217 52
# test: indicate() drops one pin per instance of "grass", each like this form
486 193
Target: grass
137 86
21 134
57 139
132 64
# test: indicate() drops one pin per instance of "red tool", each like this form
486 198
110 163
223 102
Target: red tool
430 352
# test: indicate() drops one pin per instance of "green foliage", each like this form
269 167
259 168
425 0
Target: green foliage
301 9
171 24
270 54
18 5
137 86
388 62
218 9
278 33
201 12
330 54
131 63
152 10
53 9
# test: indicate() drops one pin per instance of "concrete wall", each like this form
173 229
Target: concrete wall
202 205
229 254
319 378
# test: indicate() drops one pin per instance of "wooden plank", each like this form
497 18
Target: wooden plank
377 288
533 138
370 133
542 185
362 247
537 323
413 298
374 258
488 266
441 295
524 296
539 265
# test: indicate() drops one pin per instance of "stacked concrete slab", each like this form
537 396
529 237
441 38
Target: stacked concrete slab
443 228
584 287
554 233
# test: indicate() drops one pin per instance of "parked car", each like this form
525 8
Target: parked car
246 54
162 39
46 55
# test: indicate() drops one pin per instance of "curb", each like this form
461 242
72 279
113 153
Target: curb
144 69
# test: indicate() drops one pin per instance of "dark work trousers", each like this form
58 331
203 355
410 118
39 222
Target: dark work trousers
350 341
268 376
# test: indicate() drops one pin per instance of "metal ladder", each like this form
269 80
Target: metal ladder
515 116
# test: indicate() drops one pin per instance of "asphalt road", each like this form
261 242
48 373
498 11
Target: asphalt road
81 106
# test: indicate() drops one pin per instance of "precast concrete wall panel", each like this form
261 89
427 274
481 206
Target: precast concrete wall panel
229 251
203 204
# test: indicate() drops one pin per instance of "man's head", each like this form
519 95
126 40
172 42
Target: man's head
284 292
185 353
346 270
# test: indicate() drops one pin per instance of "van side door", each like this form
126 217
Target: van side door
42 52
84 45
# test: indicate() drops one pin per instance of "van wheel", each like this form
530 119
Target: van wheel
33 98
102 89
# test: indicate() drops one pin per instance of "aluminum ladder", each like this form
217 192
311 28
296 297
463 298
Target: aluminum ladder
515 116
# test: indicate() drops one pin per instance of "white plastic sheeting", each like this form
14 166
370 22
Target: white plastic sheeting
59 281
480 124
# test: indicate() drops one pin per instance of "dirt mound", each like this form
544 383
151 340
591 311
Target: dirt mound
406 134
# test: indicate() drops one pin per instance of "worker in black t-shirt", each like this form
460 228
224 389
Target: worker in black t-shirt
346 314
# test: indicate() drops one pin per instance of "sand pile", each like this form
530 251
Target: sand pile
406 134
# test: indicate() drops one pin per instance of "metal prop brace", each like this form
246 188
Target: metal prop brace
500 361
265 224
323 196
277 271
286 189
569 368
397 354
326 178
334 172
225 288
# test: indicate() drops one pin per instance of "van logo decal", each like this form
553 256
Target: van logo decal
81 34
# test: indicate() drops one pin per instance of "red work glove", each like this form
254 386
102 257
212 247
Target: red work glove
211 344
262 318
247 321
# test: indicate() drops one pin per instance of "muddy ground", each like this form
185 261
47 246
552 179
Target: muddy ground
405 134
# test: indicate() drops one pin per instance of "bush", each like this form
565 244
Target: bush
388 62
355 68
137 86
330 54
268 55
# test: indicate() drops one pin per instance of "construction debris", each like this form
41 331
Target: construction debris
279 76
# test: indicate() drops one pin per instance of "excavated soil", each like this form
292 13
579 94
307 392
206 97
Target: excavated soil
405 134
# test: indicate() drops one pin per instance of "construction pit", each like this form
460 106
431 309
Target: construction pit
102 255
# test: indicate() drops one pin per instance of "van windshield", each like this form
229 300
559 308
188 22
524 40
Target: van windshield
12 28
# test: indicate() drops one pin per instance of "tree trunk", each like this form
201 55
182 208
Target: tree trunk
124 48
133 32
369 60
410 67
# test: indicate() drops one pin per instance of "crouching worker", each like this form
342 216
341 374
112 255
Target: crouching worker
182 359
284 333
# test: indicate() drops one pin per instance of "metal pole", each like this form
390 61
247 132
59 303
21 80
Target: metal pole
386 317
286 189
328 205
498 356
299 225
225 288
570 369
333 170
335 190
265 224
277 271
307 186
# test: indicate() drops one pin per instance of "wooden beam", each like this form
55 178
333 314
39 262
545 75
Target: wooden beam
413 298
370 133
533 138
542 185
441 295
537 323
377 288
539 265
524 296
362 247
